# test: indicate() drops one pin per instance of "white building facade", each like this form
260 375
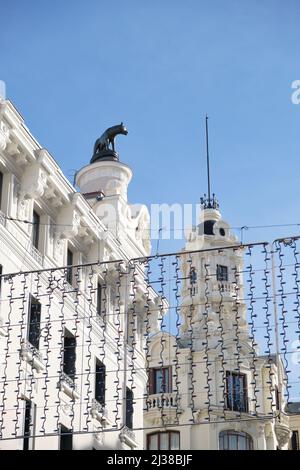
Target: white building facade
72 344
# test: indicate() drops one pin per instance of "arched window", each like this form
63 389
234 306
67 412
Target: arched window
233 440
169 440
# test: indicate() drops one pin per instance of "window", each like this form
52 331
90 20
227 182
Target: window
35 229
161 380
29 418
193 275
1 189
222 273
100 382
99 299
236 391
277 399
70 263
129 408
34 327
69 354
294 445
232 440
169 440
131 329
66 438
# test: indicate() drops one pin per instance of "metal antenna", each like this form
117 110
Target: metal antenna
207 160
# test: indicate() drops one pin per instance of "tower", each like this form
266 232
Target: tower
104 184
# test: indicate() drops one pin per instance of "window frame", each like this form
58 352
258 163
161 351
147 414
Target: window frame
294 440
233 397
100 387
65 433
129 408
158 434
35 235
28 423
222 273
69 369
226 433
99 299
153 380
33 333
70 262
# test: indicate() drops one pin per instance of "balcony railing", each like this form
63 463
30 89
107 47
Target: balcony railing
128 436
225 287
32 355
98 408
37 255
67 384
2 219
162 400
71 290
239 403
29 350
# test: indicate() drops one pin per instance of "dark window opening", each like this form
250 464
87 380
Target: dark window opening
66 438
100 382
34 327
129 408
222 273
99 299
160 380
69 355
35 229
295 440
27 424
236 391
193 275
169 440
222 232
277 400
69 275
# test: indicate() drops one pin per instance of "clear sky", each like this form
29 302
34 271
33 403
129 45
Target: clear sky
74 68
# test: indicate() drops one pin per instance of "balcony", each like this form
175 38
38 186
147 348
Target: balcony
3 328
128 437
99 412
225 287
71 290
240 404
37 255
159 401
2 219
32 355
67 385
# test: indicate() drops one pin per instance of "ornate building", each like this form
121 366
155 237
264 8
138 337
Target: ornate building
71 336
211 388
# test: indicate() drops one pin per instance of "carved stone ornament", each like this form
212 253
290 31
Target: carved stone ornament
33 182
283 435
4 135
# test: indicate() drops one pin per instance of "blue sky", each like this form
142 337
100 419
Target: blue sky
74 68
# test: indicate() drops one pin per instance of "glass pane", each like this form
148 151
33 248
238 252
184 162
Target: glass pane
153 442
166 380
164 441
174 441
232 442
158 381
242 443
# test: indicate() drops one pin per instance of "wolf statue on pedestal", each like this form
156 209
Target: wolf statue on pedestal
104 148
